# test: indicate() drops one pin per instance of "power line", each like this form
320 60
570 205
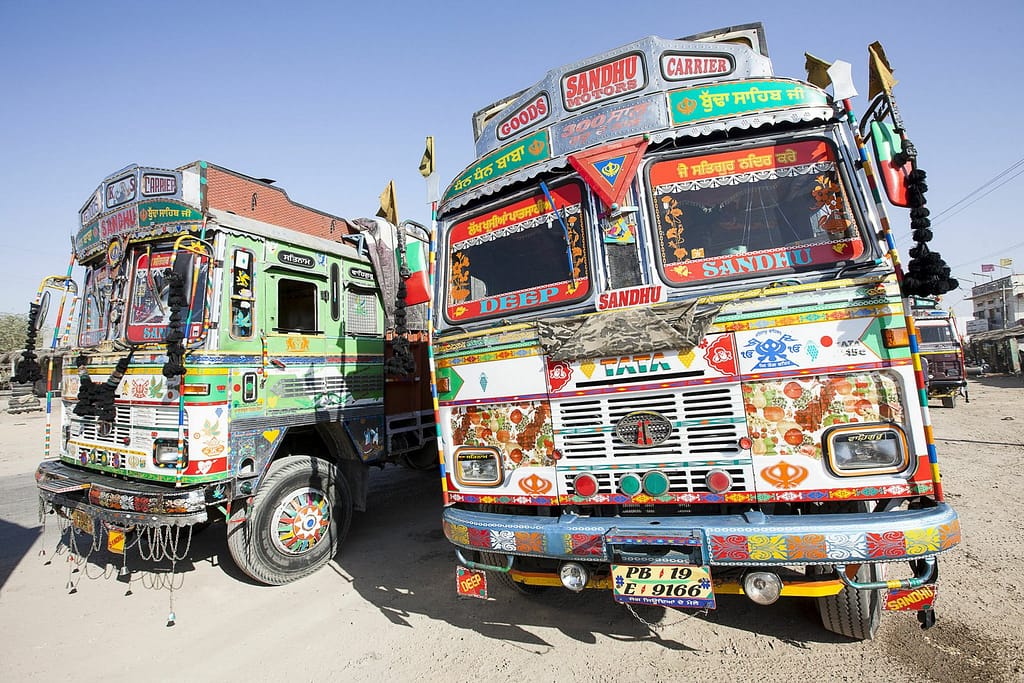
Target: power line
984 185
945 213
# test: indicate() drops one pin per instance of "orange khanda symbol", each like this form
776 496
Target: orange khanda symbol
535 485
783 475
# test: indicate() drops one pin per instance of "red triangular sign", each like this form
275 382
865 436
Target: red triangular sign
609 169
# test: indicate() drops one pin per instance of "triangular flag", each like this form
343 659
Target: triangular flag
427 162
609 169
817 71
388 204
880 76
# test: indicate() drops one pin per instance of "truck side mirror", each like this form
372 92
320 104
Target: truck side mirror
44 307
888 147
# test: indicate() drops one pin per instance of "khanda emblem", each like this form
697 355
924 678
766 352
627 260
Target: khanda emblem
609 168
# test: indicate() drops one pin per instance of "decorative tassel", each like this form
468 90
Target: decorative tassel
927 273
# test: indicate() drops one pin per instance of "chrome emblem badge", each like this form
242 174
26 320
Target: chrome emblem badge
643 429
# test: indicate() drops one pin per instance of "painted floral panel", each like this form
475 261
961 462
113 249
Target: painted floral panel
522 431
788 416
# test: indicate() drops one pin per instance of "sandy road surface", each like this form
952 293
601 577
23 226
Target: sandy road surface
386 608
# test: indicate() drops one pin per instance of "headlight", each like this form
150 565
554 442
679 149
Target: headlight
165 453
858 450
478 466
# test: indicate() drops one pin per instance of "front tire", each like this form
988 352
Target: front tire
851 612
296 521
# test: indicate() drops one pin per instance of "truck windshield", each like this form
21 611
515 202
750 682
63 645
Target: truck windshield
95 306
149 312
516 257
746 213
935 334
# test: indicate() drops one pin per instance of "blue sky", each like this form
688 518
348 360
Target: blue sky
334 99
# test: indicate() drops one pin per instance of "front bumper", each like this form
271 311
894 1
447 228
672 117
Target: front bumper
751 539
945 387
118 502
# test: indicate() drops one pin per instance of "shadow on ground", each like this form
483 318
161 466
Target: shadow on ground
397 559
15 542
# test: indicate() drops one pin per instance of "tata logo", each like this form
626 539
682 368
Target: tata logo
643 429
640 364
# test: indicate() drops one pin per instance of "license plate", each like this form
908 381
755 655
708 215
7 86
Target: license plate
686 586
82 521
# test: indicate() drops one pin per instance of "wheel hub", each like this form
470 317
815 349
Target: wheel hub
302 520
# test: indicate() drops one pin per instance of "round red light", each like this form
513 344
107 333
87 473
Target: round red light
746 443
718 481
585 485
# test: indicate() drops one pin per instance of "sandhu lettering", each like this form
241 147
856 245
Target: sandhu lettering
755 263
602 82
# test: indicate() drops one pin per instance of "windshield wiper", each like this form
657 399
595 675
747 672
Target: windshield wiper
565 231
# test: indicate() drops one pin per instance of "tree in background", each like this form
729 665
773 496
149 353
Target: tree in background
13 327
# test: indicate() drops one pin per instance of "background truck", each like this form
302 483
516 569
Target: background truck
674 356
239 356
941 347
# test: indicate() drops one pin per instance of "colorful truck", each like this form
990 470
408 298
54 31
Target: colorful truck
941 348
239 357
672 355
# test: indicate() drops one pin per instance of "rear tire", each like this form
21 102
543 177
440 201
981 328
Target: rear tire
853 613
296 522
423 459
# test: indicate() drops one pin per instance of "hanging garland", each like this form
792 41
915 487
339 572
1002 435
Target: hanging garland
927 273
28 370
95 399
178 303
401 362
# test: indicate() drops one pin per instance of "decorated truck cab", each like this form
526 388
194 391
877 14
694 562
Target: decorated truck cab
239 357
673 353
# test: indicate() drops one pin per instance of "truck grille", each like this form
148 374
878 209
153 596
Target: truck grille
707 422
142 419
707 425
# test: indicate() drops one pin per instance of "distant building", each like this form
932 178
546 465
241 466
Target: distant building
1000 303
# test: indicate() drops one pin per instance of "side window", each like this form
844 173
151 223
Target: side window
296 306
243 302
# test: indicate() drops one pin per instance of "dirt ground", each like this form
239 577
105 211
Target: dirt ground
386 608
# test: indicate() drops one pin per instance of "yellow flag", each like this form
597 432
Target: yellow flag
388 204
880 76
1006 262
427 162
817 71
